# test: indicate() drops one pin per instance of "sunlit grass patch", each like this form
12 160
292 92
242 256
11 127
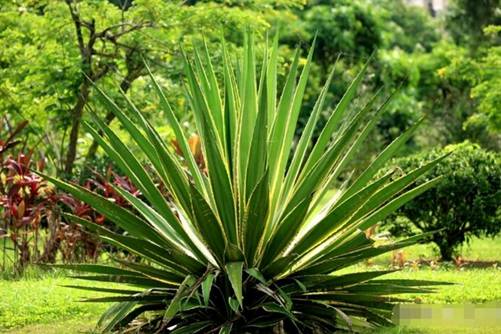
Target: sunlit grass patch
45 300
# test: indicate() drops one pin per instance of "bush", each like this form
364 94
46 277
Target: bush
233 247
464 204
31 229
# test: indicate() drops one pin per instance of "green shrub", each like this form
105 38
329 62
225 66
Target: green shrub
465 204
241 245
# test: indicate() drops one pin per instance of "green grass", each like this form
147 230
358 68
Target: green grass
73 326
39 304
44 300
471 285
479 249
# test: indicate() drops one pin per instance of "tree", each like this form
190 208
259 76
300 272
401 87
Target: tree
459 93
486 81
466 19
59 49
410 28
93 43
394 34
53 50
463 205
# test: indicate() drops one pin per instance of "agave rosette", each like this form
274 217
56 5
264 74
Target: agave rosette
249 244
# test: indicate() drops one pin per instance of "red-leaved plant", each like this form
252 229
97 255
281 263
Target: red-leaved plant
32 229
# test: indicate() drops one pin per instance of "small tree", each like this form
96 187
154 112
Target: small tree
464 204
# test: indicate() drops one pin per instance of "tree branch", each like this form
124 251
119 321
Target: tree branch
132 27
78 27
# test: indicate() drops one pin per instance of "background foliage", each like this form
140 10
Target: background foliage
445 67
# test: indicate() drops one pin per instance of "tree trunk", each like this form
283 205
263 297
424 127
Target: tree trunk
53 242
446 252
76 113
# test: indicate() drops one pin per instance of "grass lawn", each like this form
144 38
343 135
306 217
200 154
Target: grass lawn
73 326
486 249
40 304
38 301
472 285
